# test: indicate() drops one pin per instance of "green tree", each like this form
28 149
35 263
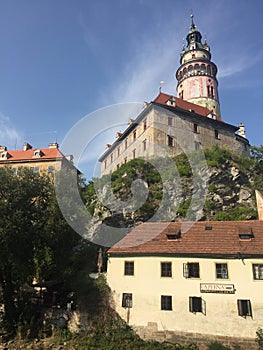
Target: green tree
23 200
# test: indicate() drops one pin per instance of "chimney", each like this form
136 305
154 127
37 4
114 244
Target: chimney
259 198
53 145
118 135
241 131
3 148
26 146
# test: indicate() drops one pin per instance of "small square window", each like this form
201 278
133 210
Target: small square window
170 121
166 302
127 300
221 271
244 307
129 268
191 270
258 271
166 269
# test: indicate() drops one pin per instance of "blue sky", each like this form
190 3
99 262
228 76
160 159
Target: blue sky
63 59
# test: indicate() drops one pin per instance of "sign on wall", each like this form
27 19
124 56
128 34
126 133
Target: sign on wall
217 288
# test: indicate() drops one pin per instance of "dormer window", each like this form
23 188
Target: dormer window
5 155
38 153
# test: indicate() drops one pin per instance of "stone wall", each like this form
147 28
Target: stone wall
151 332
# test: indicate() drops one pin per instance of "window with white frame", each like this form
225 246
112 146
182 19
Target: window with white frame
129 268
191 270
197 304
166 269
244 307
258 271
221 271
166 302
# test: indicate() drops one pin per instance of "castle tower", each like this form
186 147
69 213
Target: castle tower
196 75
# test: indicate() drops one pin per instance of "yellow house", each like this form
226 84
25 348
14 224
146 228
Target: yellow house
39 160
202 284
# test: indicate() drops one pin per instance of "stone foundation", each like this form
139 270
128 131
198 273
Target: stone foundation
151 332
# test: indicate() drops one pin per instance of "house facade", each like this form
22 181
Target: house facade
171 125
200 285
39 160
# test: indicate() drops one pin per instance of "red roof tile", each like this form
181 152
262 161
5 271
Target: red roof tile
21 155
222 239
164 98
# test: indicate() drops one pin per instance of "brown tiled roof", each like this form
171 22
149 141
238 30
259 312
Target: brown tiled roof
21 155
202 238
188 106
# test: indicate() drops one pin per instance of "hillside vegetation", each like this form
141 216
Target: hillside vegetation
221 186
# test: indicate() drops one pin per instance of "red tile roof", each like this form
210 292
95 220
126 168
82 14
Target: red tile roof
164 98
21 155
221 238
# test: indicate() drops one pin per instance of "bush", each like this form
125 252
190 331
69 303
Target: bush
217 346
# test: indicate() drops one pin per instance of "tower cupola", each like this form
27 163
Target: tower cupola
196 76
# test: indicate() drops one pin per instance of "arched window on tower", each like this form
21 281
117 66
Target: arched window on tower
197 67
184 71
203 68
190 69
209 70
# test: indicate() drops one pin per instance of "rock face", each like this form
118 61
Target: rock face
215 190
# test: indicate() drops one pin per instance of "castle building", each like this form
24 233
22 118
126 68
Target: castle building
39 160
191 121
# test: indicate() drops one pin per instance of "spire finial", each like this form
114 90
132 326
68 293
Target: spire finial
192 18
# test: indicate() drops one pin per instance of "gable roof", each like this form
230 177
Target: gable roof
215 238
29 154
188 106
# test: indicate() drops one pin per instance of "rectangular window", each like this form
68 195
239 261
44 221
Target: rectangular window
105 164
14 171
134 135
144 145
258 271
125 160
197 304
118 151
216 134
195 128
170 121
19 169
118 166
244 307
191 270
36 169
221 271
50 169
126 144
166 269
144 125
111 158
169 141
127 300
129 268
134 153
166 302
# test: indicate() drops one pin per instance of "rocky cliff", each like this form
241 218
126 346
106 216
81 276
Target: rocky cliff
216 186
